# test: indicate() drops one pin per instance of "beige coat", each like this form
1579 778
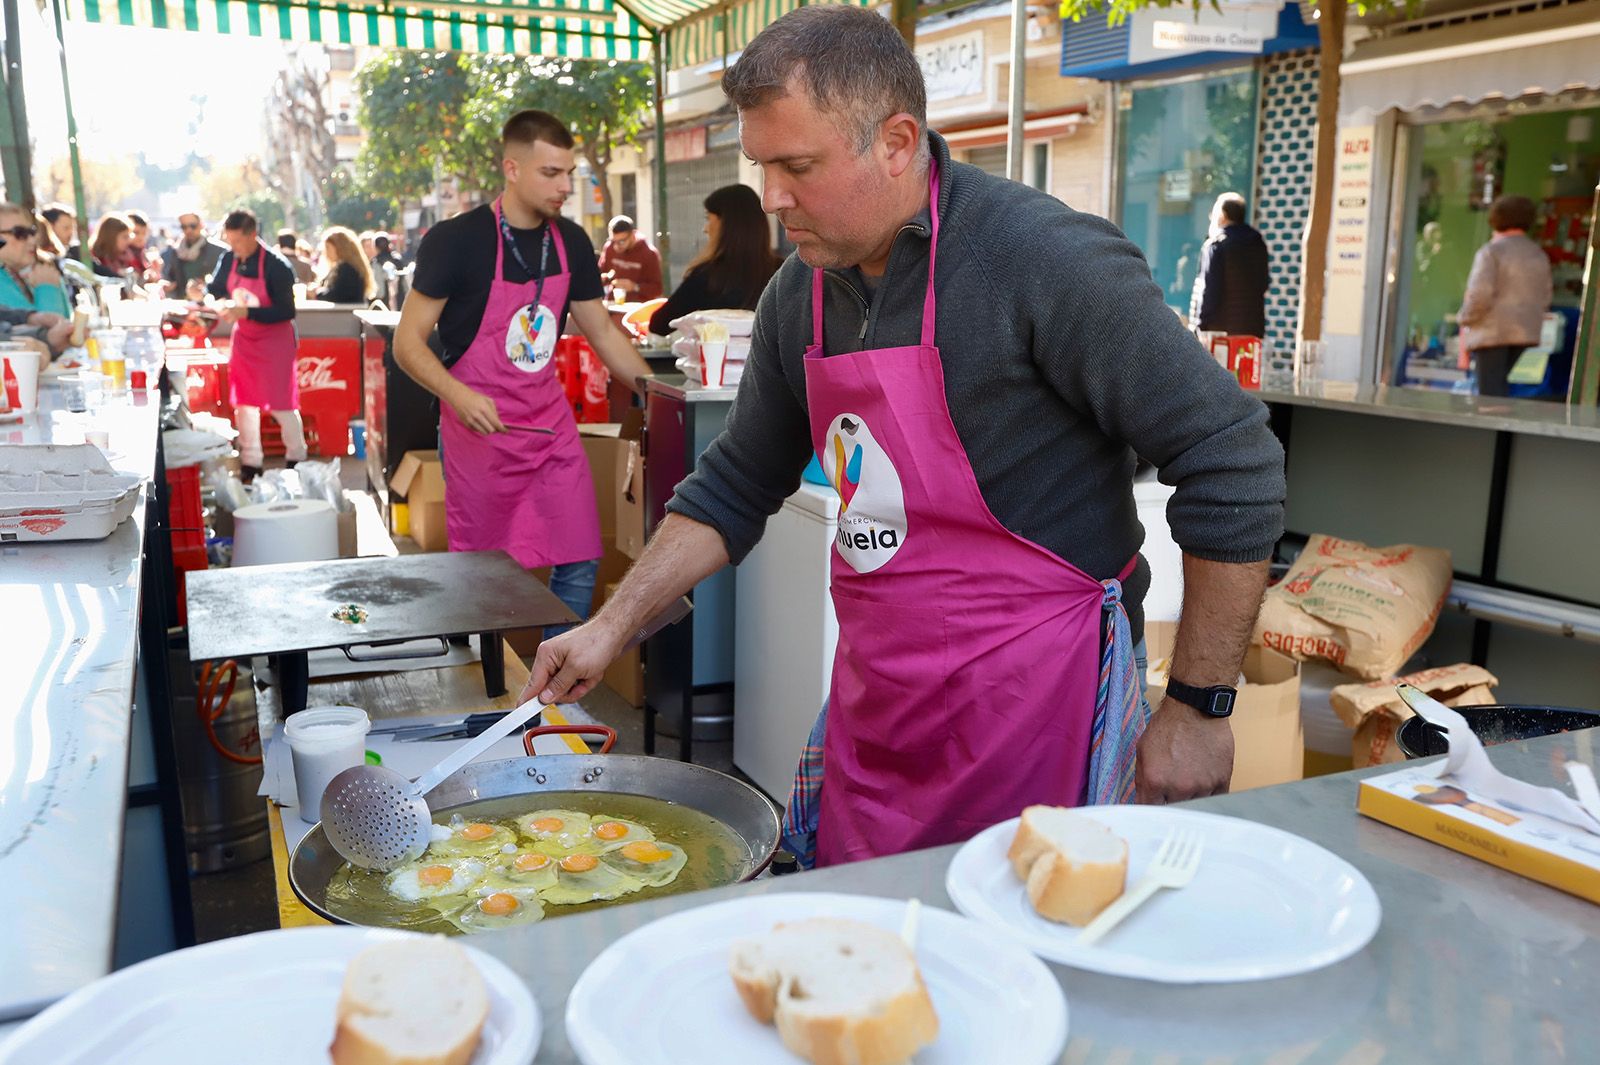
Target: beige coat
1507 294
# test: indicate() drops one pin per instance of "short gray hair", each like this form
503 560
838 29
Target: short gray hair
1231 206
853 64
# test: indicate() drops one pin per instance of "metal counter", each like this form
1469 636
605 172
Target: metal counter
1471 964
1532 417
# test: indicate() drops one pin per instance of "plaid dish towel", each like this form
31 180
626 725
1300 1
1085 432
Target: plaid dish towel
805 797
1120 712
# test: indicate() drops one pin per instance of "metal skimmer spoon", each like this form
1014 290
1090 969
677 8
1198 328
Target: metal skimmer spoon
377 819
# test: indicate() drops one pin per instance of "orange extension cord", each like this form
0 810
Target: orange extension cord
210 706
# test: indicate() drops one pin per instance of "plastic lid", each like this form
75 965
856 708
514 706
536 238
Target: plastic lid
326 726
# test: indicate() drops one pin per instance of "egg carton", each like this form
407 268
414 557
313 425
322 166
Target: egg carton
62 492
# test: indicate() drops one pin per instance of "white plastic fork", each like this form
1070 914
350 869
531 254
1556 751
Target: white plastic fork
1174 866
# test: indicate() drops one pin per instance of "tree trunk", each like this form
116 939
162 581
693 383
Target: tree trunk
904 14
1324 174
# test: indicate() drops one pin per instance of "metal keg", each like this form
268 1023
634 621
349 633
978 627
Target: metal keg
224 819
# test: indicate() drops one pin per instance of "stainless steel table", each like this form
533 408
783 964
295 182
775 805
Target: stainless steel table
1471 964
288 610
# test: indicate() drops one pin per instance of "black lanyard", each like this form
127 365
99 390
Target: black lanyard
516 253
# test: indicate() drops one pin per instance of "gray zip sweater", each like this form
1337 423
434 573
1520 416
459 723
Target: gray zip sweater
1061 364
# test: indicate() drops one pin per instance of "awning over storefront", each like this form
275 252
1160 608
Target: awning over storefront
724 28
568 29
1542 52
1155 41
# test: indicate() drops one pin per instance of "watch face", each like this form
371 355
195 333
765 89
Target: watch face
1222 703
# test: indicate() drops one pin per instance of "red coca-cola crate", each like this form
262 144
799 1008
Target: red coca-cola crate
186 517
1244 360
329 373
595 406
206 382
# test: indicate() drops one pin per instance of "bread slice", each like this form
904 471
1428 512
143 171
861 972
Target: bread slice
1073 865
841 992
416 1001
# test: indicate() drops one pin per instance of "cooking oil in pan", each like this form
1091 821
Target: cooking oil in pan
717 856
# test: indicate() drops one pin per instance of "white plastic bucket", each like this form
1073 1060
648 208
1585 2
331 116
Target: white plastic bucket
323 741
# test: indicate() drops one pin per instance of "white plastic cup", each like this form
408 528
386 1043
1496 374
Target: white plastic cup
25 368
713 357
323 741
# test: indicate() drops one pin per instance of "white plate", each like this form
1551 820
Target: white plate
669 979
1264 904
266 998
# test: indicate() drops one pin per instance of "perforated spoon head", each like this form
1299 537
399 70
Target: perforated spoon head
375 818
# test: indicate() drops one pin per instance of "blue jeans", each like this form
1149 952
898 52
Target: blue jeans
573 584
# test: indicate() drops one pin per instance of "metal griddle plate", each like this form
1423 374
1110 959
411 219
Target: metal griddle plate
262 610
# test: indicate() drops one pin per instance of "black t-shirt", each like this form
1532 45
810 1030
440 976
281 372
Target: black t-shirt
455 262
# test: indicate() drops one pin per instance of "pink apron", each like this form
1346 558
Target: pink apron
527 494
261 359
969 659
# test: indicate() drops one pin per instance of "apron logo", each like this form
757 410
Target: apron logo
872 509
531 338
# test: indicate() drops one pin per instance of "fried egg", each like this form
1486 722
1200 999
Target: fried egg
427 878
567 830
471 839
613 832
498 909
583 878
523 871
653 863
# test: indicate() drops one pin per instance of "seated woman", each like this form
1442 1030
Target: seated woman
347 277
735 265
109 248
27 284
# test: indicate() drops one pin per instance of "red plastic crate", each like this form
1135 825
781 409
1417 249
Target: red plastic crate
186 517
185 559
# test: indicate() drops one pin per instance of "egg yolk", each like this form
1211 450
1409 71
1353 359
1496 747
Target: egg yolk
434 875
611 830
530 863
499 904
579 863
645 851
477 830
547 824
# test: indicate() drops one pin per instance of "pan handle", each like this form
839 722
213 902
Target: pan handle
608 735
349 651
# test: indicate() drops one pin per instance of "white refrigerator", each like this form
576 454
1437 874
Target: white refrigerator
784 640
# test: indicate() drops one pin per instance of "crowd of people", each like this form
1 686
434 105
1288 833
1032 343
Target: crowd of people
39 284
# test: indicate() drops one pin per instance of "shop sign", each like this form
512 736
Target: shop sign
684 145
1347 259
953 67
1154 34
1177 186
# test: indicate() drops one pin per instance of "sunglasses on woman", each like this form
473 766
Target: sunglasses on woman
22 232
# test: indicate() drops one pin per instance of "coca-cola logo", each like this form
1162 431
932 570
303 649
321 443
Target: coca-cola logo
42 526
316 371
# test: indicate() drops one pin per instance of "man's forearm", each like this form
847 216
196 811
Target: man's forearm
423 367
682 553
1220 604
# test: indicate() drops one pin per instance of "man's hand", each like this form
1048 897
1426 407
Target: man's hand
1183 755
45 319
478 413
237 313
625 285
570 665
1464 359
59 334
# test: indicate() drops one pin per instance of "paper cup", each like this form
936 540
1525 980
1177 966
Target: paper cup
323 741
24 366
713 357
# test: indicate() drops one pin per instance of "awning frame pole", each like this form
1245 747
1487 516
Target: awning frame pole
1019 90
663 236
1583 389
18 148
80 203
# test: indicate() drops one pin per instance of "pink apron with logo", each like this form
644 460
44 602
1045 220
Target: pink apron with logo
261 358
525 493
968 662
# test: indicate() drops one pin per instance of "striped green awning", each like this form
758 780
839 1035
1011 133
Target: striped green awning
694 31
701 32
545 28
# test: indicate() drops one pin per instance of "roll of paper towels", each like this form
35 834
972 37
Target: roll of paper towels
295 530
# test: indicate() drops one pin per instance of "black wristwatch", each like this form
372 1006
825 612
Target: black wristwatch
1215 701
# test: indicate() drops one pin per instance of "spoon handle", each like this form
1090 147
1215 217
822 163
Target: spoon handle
476 746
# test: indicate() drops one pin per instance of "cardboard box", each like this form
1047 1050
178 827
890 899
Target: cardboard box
1268 747
420 479
625 676
616 463
1415 799
347 532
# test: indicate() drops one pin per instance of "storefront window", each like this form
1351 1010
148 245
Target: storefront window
1454 171
1182 144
